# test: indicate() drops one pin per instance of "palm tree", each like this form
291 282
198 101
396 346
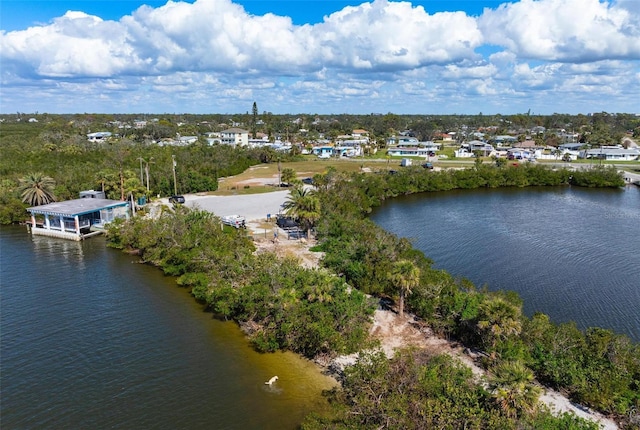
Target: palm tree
498 320
37 189
303 205
513 388
406 276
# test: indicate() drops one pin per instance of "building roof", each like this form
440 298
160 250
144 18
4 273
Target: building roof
234 130
76 207
571 146
613 151
99 134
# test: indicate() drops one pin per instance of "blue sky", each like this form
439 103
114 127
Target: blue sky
300 56
20 14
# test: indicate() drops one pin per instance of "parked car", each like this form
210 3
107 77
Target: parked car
428 165
177 199
236 221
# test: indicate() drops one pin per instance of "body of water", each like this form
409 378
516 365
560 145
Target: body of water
571 253
91 339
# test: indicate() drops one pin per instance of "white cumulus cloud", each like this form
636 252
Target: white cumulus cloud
374 57
564 30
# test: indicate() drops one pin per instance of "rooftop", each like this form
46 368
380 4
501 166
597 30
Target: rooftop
76 207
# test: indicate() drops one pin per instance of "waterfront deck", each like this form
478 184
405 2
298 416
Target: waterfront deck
76 219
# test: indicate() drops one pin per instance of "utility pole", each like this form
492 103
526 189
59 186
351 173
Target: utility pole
279 173
146 170
141 178
175 184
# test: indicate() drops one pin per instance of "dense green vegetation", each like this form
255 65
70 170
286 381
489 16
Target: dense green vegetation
281 304
597 368
601 128
418 391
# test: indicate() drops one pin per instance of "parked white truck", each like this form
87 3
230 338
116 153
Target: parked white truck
236 221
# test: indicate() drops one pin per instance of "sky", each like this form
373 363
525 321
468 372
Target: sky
320 56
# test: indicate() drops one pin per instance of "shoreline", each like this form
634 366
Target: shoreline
393 332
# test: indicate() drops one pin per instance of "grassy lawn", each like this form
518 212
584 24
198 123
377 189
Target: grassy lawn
263 177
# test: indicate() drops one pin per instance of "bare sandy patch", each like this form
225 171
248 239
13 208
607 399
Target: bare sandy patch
283 247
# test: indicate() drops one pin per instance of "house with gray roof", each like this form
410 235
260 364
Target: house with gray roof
76 219
619 154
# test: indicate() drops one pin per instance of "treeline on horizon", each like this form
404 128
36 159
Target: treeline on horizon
324 313
599 128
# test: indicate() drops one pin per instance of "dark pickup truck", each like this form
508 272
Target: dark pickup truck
286 222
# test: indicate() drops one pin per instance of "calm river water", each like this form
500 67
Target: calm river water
571 253
90 339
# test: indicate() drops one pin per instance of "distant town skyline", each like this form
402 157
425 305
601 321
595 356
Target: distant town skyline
320 56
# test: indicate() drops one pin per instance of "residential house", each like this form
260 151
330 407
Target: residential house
186 140
213 137
445 137
325 151
473 147
402 139
505 140
611 153
259 141
234 137
99 136
79 218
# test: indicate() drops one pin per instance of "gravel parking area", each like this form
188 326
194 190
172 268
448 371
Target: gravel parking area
252 206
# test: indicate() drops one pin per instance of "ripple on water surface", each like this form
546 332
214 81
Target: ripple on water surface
91 339
570 253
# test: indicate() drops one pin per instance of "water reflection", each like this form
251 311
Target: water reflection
68 250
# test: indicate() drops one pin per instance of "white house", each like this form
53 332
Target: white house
399 140
98 136
186 140
234 137
608 153
259 142
347 151
351 140
469 149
